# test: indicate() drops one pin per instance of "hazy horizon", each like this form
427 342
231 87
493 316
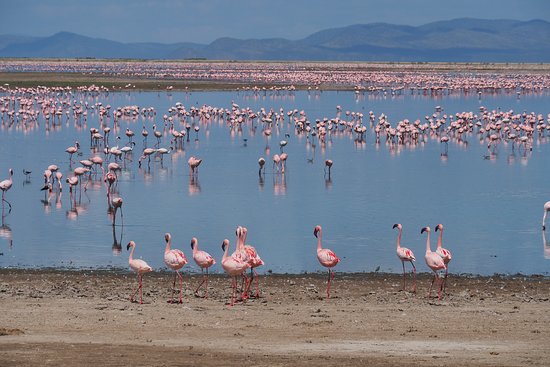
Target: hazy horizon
203 22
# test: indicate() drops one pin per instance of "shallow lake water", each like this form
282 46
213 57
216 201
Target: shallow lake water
491 206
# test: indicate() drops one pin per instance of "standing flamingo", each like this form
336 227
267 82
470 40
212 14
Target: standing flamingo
175 259
140 267
328 164
204 261
434 262
404 254
546 210
261 163
234 267
72 150
116 204
254 260
444 253
5 186
326 257
194 164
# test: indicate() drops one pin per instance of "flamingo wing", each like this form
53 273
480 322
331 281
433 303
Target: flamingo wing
175 259
327 257
203 259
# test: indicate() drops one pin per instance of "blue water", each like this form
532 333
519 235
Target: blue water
491 208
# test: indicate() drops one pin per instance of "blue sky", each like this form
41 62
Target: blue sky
203 21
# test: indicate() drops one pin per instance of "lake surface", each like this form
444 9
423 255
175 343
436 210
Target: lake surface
491 205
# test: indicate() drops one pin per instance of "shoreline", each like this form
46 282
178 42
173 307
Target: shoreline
81 318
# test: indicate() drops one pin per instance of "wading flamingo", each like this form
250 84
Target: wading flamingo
234 267
404 254
326 257
434 262
546 210
444 253
175 259
204 261
72 150
261 163
328 164
140 267
5 186
194 164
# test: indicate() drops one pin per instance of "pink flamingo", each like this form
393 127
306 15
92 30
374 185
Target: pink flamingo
326 257
254 260
116 204
404 254
140 267
175 259
276 162
72 150
328 164
546 210
234 267
5 186
434 262
194 164
261 163
444 253
204 261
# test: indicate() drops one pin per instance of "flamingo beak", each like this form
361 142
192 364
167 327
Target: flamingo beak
193 245
128 247
423 230
395 225
223 246
315 232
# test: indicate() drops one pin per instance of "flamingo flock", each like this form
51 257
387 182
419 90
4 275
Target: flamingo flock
28 109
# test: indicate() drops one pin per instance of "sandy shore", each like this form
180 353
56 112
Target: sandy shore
82 318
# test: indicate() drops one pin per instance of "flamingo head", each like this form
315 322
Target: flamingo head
130 244
77 144
194 243
316 230
397 225
167 237
425 229
11 172
239 231
439 227
225 243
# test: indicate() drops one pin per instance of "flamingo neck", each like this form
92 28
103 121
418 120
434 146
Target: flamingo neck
428 250
399 239
132 254
225 252
440 238
195 247
319 236
167 248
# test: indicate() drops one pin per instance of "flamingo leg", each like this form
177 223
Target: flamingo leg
137 289
404 277
206 288
328 283
173 288
433 279
233 290
414 274
140 290
201 283
181 285
257 284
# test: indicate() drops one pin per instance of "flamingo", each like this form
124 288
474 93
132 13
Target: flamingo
434 262
261 163
444 253
116 203
233 266
175 259
328 164
146 154
140 267
72 150
276 162
204 261
254 260
326 257
5 186
546 210
194 164
404 254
